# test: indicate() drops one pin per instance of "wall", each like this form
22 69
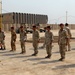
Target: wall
6 27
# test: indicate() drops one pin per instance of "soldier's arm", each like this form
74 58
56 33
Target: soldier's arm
38 36
52 38
3 35
15 36
25 35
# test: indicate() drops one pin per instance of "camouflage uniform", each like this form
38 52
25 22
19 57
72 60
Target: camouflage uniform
2 40
13 40
69 35
62 40
48 42
35 41
23 38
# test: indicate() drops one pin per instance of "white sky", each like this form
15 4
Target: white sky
55 9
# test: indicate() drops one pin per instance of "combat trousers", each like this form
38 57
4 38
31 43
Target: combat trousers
13 46
62 48
3 44
35 45
23 46
49 49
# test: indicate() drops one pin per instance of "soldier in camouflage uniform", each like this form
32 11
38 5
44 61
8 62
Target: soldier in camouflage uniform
13 39
23 38
62 41
68 47
2 40
35 40
48 41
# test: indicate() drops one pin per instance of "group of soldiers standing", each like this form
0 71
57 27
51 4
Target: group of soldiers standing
64 36
23 37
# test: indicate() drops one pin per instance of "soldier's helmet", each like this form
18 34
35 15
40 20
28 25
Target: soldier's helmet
48 27
21 26
12 27
61 24
66 24
34 26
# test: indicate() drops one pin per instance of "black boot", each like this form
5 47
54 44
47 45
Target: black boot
48 56
35 54
61 59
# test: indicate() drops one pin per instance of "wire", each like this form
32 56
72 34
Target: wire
5 10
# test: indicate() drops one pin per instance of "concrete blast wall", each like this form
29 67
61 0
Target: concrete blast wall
6 27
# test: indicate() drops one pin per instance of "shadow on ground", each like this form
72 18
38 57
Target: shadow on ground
21 56
65 66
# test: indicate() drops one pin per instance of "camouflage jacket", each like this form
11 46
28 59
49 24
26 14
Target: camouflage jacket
63 35
48 37
35 35
23 36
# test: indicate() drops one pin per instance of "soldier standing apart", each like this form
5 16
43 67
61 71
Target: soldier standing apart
35 40
62 41
13 39
68 47
2 40
48 41
23 38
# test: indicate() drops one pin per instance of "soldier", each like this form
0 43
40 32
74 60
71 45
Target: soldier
62 41
23 38
35 40
2 40
48 41
13 39
68 48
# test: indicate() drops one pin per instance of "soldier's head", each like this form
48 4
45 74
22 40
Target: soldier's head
21 28
66 24
48 28
61 25
34 27
12 28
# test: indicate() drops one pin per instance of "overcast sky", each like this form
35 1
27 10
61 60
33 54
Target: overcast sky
55 9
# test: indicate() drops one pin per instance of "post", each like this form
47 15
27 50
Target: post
66 16
0 13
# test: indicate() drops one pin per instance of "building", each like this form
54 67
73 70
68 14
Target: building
24 18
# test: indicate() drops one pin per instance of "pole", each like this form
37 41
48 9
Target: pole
66 16
0 13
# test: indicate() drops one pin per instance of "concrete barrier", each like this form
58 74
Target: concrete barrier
6 27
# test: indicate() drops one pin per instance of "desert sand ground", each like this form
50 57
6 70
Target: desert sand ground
14 63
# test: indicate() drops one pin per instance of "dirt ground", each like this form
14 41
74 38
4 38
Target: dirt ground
14 63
